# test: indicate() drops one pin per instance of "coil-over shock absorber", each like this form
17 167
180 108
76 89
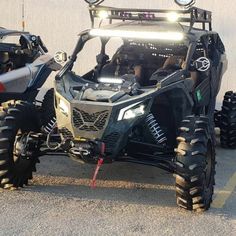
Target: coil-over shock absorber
48 129
155 129
50 125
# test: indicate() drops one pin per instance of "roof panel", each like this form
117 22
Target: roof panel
6 32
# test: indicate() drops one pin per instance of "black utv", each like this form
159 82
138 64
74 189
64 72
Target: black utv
151 101
24 65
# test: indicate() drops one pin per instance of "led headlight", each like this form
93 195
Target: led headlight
64 108
172 16
103 14
132 111
185 3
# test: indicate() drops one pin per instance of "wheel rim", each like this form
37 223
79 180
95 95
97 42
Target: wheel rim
20 161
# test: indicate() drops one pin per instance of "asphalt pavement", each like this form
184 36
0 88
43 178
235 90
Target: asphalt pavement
129 200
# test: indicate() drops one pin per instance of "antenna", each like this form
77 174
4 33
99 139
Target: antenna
23 15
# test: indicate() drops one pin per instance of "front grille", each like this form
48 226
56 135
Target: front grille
66 133
89 121
110 141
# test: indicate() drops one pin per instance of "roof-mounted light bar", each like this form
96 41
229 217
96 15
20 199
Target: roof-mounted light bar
192 15
106 80
170 36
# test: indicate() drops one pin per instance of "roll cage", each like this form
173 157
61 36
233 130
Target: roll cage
192 15
198 35
85 37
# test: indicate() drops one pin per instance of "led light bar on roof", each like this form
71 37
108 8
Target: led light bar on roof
170 36
188 14
106 80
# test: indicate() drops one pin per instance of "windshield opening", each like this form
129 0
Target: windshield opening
121 57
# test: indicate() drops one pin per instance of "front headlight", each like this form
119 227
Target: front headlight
132 111
64 108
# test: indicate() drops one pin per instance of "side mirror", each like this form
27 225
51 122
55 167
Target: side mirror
202 64
60 57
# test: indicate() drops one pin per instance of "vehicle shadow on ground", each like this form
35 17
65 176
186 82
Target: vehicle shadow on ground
124 182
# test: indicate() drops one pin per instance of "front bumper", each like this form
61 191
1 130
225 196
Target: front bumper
95 121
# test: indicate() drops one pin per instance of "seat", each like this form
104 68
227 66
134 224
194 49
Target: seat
5 64
171 64
121 63
108 70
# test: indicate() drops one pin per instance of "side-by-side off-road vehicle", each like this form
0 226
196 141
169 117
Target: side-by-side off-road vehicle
24 65
150 100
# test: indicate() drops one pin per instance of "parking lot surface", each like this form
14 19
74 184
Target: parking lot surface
129 200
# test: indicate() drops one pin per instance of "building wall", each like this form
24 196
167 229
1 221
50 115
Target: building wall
59 21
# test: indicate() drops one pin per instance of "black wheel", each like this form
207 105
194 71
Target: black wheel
18 148
195 164
47 109
228 121
217 118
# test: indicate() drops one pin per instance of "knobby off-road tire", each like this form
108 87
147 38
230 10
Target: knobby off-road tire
47 109
17 119
195 163
217 119
228 121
